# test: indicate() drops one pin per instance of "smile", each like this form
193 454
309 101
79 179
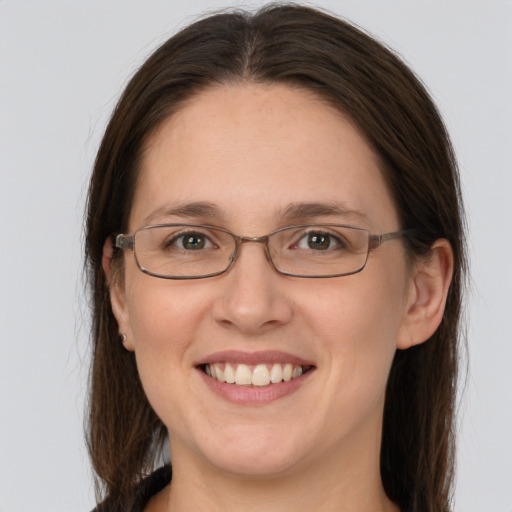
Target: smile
259 375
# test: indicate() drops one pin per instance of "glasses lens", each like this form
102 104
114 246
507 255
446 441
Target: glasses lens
182 251
319 250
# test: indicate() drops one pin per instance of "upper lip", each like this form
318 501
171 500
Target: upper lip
253 358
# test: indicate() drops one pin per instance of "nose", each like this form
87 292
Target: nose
253 298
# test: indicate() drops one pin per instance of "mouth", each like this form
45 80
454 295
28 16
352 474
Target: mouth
254 375
254 378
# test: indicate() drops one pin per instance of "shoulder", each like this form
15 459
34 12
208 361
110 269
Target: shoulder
137 500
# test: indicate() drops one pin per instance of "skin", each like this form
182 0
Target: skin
253 151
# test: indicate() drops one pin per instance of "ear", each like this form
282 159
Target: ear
117 294
428 291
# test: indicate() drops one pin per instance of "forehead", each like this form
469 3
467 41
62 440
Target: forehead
254 150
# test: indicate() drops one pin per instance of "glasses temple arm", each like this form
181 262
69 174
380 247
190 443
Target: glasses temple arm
124 241
376 240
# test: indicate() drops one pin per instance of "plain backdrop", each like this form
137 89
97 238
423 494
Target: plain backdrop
62 66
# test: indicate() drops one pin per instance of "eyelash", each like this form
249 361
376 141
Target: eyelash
173 241
177 241
339 242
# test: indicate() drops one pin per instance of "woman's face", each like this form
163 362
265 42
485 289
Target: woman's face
253 159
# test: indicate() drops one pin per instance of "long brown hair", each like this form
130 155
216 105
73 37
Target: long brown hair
339 62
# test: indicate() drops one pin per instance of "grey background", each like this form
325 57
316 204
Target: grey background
63 64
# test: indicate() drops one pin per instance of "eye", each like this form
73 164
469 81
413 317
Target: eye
191 241
320 241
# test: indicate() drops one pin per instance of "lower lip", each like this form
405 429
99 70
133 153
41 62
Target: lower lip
254 395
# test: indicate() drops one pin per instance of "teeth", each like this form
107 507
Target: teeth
259 375
276 374
287 372
243 375
218 372
297 372
229 374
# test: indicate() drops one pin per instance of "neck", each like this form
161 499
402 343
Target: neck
323 485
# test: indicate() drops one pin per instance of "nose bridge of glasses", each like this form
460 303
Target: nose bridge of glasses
247 239
257 239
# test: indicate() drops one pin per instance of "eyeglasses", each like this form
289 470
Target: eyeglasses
196 251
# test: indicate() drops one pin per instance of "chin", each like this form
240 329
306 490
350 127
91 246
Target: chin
256 467
244 452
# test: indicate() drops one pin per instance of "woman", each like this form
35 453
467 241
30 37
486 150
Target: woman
275 252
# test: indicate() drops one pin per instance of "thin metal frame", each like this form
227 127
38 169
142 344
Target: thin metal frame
127 242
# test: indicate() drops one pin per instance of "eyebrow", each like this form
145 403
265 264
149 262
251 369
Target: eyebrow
302 211
186 210
295 212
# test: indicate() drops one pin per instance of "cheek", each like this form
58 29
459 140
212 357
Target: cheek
162 318
361 341
358 324
366 308
163 322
